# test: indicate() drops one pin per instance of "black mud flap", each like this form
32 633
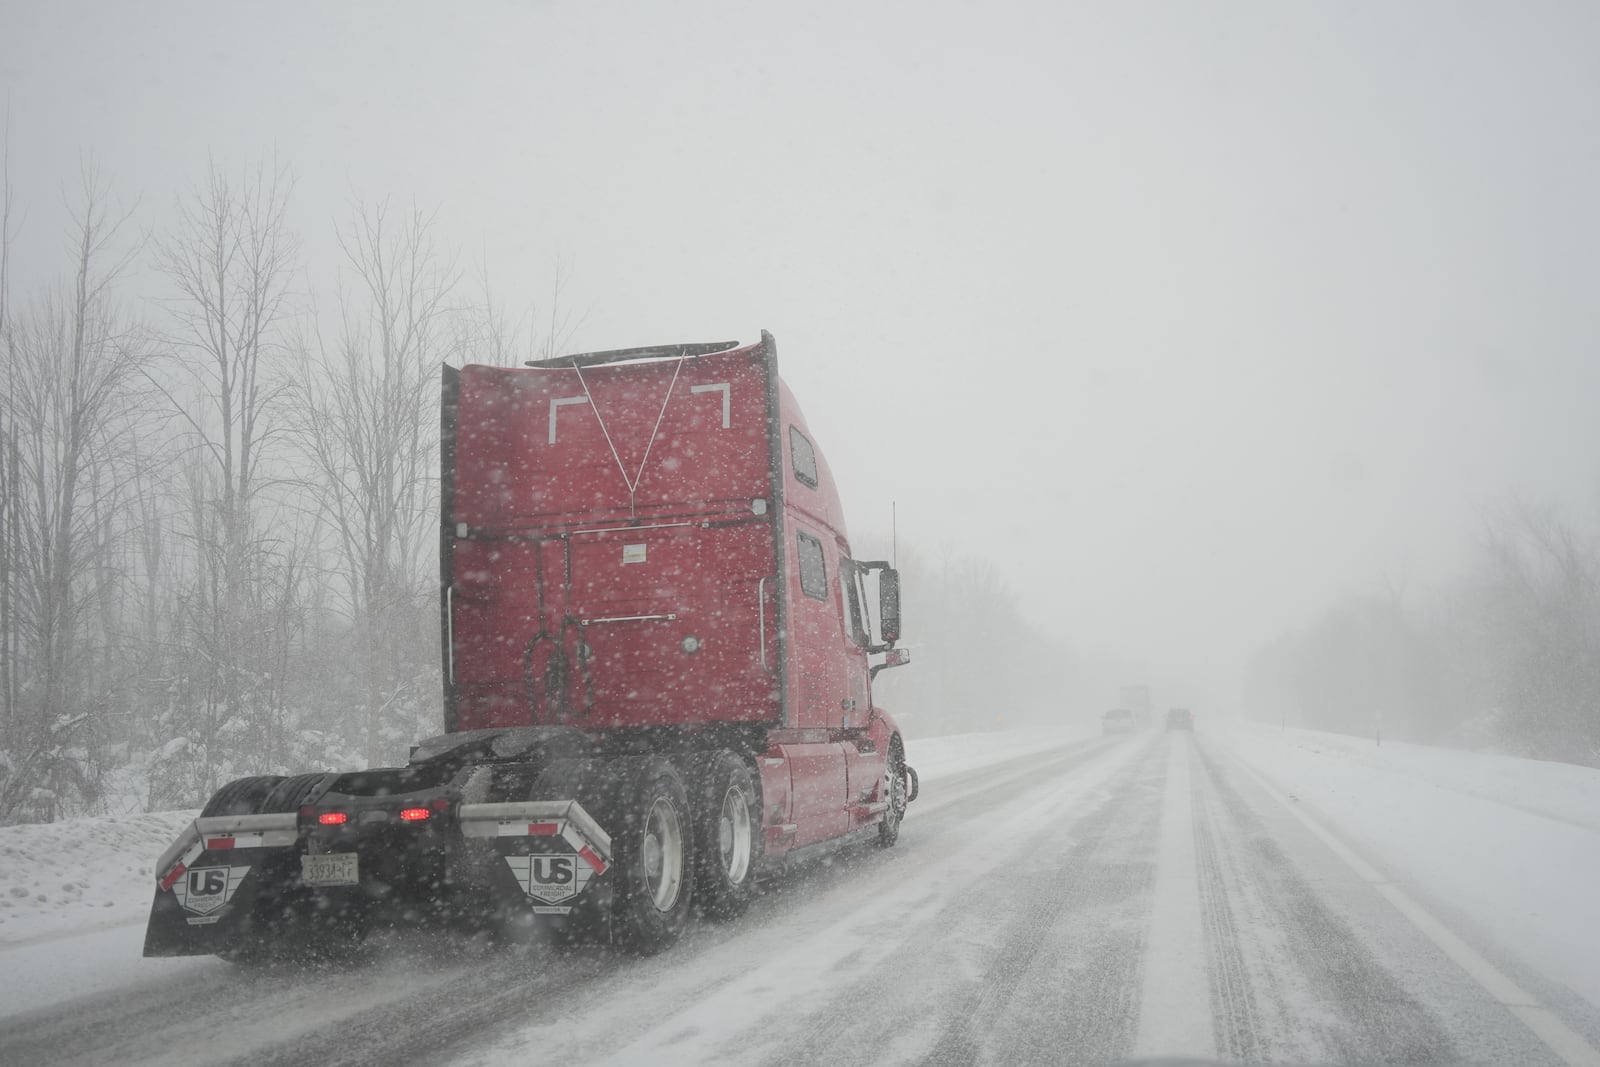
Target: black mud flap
176 930
552 863
209 879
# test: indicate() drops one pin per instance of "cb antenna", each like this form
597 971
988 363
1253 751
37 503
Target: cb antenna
894 536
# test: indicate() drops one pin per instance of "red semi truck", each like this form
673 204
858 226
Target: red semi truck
658 664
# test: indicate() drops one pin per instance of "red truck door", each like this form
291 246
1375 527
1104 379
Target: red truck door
819 686
821 682
853 640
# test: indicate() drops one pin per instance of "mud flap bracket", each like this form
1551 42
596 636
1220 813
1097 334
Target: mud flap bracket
552 849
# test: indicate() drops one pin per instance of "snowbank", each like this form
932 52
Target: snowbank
59 878
1510 847
1561 791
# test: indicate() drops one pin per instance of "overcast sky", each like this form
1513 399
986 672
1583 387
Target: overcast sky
1192 317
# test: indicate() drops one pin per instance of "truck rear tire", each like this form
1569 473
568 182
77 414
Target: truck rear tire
728 835
290 793
653 844
243 796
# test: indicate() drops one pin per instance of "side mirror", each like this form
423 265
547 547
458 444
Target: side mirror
894 657
889 605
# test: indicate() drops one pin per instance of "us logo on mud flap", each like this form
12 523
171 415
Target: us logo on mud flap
205 889
551 877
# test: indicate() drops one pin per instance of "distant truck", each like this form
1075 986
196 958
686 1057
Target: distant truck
658 659
1136 698
1117 721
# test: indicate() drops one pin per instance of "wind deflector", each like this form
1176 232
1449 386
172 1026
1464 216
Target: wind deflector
618 355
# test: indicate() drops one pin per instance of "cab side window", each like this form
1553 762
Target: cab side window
813 571
853 601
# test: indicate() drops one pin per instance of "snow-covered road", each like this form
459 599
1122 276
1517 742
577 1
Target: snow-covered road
1050 901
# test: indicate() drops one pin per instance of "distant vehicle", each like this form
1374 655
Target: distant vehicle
1136 698
1180 719
1118 721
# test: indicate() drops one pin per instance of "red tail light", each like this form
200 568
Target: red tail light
414 814
333 818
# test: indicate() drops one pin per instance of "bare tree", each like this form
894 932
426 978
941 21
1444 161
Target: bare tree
1543 593
488 333
232 258
71 405
369 427
1509 653
10 484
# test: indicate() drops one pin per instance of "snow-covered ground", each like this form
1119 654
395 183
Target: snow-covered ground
1253 895
67 877
1561 791
1508 848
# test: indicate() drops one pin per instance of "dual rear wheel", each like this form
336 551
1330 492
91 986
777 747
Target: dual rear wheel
671 854
652 850
729 835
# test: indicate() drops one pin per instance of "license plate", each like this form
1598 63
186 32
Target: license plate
329 868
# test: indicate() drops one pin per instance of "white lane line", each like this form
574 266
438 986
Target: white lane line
1545 1024
1175 1008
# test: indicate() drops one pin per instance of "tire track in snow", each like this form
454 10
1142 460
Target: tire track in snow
1362 1013
1233 1001
577 1022
956 989
1065 983
875 982
434 998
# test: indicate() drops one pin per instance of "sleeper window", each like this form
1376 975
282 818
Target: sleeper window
804 458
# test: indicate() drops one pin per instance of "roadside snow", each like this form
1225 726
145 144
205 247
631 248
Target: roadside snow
1511 846
1562 791
80 874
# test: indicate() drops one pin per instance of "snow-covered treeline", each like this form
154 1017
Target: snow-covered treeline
1506 656
218 504
978 662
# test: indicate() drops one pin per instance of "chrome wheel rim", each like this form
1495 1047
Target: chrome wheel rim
733 835
663 854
